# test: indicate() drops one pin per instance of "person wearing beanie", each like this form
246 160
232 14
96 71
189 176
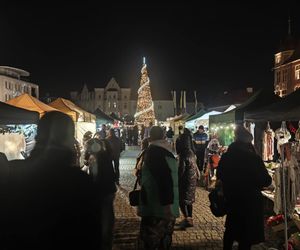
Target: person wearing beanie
200 139
243 175
159 204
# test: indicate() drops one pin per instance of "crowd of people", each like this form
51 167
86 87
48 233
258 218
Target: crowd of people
168 185
50 201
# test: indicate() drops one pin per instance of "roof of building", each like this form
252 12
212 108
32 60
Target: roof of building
296 55
289 43
17 71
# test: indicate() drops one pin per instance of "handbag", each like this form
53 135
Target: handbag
217 201
134 195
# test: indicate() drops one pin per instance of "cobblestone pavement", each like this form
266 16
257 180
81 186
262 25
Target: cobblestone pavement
206 234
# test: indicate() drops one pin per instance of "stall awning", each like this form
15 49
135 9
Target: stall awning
196 116
76 113
13 115
29 102
257 101
102 117
285 109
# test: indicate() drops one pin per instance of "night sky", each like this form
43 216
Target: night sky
208 48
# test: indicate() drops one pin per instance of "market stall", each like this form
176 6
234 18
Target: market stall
102 118
84 121
176 121
281 152
13 115
224 123
29 102
15 127
200 118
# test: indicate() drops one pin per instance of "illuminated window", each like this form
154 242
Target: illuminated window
297 72
115 105
278 58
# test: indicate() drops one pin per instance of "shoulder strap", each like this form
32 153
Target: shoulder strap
135 184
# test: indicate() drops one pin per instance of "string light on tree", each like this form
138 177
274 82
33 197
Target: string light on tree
145 107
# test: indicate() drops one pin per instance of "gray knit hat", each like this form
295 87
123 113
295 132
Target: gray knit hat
242 134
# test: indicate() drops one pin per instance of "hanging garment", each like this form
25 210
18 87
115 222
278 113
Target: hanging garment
297 134
282 135
268 144
277 197
294 180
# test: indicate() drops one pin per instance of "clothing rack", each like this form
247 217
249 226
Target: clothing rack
283 172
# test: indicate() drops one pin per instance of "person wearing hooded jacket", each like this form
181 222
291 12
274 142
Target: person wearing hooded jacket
51 202
159 204
243 175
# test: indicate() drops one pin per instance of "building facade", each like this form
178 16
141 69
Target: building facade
111 99
12 83
114 99
287 67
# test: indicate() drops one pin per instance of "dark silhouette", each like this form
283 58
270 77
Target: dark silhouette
102 132
188 174
52 204
116 145
243 176
140 159
99 156
159 193
201 141
4 169
184 144
135 135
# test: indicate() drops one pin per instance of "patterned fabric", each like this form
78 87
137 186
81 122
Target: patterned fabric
156 233
200 138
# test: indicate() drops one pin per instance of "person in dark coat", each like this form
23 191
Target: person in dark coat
140 159
201 140
116 145
184 144
188 174
243 175
99 155
51 202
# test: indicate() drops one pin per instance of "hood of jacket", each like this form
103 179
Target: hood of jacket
163 144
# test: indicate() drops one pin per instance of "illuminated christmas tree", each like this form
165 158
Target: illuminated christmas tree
145 108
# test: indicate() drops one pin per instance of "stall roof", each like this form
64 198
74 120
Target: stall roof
13 115
115 117
260 99
29 102
285 109
179 117
197 115
100 115
68 107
